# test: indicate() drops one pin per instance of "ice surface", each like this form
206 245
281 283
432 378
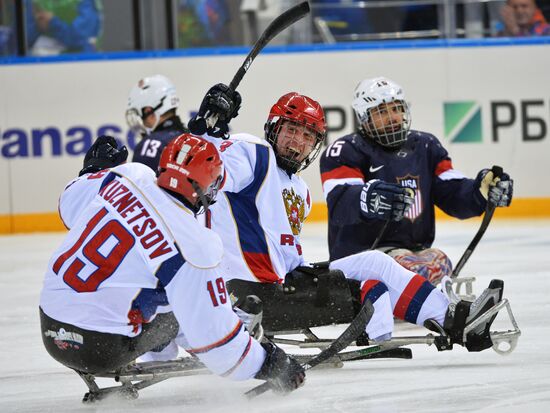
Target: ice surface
458 381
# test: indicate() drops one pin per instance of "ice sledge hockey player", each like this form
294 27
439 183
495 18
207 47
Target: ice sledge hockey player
362 173
260 213
151 113
135 246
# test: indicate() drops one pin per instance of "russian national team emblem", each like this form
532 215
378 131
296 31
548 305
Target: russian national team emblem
295 210
413 182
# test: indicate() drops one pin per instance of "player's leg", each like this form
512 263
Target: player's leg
167 350
412 297
373 288
380 327
163 353
432 263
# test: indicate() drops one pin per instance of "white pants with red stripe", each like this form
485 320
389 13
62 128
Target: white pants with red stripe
393 290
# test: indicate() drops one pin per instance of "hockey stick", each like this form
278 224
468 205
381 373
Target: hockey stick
326 264
497 172
356 327
280 23
380 235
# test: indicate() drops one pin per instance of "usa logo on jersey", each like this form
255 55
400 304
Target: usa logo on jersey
413 182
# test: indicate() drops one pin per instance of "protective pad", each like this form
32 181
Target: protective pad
432 263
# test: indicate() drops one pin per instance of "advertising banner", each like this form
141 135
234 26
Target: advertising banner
487 105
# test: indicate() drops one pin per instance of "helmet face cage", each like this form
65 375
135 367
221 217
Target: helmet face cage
135 121
375 103
293 161
207 197
297 115
156 92
391 134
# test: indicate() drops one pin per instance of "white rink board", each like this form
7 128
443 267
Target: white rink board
92 95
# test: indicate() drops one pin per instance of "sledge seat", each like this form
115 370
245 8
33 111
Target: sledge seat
309 297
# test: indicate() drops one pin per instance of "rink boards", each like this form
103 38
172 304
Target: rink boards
482 100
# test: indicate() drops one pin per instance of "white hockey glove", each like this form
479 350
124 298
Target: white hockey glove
382 200
496 190
250 312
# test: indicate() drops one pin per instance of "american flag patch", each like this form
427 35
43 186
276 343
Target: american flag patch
413 182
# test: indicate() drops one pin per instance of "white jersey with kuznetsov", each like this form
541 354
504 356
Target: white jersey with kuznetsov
132 248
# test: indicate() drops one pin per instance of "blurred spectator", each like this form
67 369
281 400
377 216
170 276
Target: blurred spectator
203 23
7 29
63 26
523 18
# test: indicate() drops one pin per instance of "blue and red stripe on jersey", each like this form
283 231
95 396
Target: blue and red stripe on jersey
238 363
412 299
372 290
443 166
342 172
232 334
252 238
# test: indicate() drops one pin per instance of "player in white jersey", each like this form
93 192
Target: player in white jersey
134 244
265 202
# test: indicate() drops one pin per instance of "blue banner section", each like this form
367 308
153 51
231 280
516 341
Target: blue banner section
309 48
53 141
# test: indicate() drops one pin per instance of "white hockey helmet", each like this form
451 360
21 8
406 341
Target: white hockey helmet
367 98
156 92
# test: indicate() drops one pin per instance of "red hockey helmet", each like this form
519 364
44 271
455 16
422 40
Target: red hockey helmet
300 111
191 167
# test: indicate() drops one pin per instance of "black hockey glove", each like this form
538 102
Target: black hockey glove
219 106
104 153
382 200
280 370
498 190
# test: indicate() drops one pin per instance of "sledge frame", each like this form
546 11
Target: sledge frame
138 376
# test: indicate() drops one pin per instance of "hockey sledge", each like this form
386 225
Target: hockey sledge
138 376
463 287
294 308
321 298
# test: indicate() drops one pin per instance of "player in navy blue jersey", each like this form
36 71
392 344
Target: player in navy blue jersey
361 173
151 112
